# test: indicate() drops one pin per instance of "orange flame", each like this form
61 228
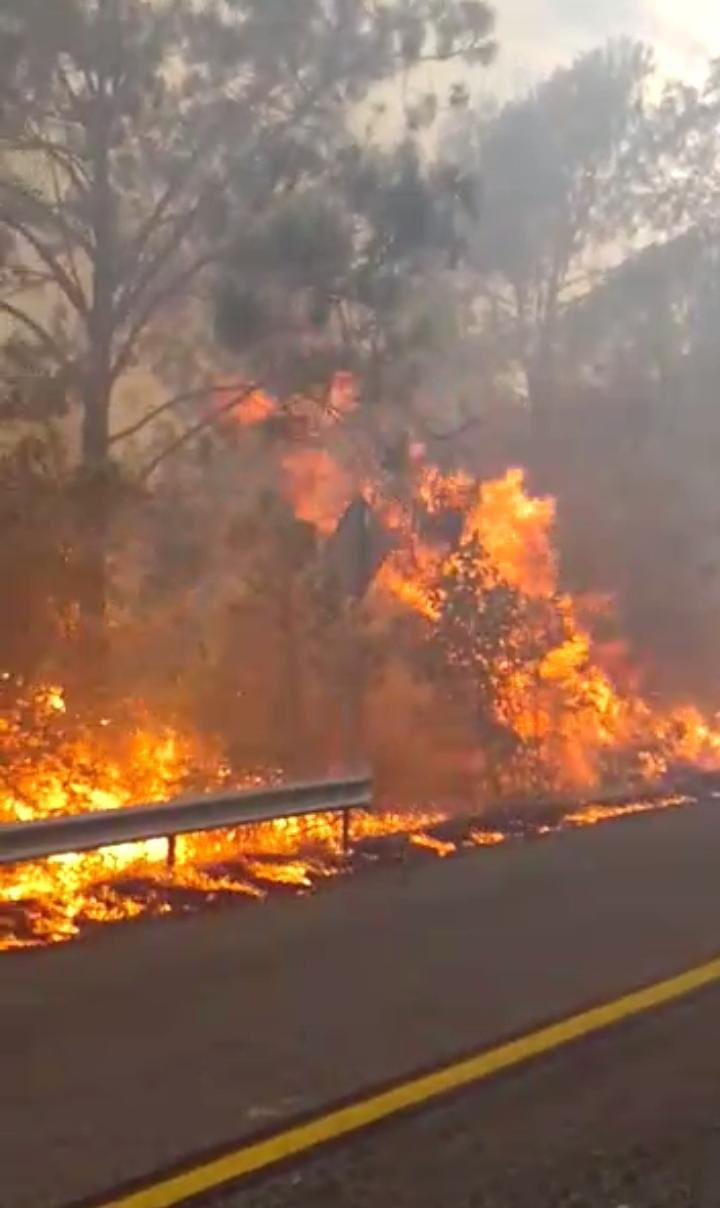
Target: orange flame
561 705
317 486
87 768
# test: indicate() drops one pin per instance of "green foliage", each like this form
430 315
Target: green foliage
327 278
154 141
481 638
557 164
153 148
593 303
563 182
36 562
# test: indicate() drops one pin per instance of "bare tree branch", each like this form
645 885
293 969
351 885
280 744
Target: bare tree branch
173 286
63 156
21 278
64 282
69 249
167 198
53 215
36 328
155 263
186 396
190 433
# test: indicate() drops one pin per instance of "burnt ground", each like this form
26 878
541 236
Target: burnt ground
628 1118
147 1044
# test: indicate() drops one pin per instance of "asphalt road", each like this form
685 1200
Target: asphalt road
124 1053
627 1118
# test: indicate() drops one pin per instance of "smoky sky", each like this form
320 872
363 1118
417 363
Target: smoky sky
537 35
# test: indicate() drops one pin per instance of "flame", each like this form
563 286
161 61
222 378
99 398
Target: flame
591 815
438 846
560 702
514 530
54 900
317 486
50 768
252 408
56 765
482 838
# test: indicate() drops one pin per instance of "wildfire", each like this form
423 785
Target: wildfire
558 705
565 722
316 485
53 765
440 847
481 838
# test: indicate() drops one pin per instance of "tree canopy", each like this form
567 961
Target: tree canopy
263 262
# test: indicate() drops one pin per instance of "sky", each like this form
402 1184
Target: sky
537 35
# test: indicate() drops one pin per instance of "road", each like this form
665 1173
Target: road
145 1044
630 1117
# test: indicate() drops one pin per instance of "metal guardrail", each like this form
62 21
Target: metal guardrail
23 841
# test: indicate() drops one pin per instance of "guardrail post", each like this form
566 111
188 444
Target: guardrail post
171 851
346 832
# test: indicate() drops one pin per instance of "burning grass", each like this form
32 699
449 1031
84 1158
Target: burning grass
516 667
64 897
53 765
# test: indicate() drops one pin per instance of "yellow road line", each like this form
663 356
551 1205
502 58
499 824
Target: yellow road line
255 1156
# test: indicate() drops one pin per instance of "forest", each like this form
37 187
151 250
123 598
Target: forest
348 413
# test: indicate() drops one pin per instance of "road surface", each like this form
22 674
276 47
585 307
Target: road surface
630 1117
140 1046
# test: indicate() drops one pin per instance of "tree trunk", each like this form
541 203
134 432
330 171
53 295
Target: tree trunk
546 433
96 479
291 692
94 508
93 520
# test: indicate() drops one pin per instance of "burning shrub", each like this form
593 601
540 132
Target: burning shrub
521 701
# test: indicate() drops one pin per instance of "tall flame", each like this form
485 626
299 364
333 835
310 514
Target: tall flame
559 702
562 702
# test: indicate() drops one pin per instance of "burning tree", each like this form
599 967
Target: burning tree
139 136
244 319
488 637
525 694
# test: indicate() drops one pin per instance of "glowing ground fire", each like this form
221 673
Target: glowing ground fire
555 690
